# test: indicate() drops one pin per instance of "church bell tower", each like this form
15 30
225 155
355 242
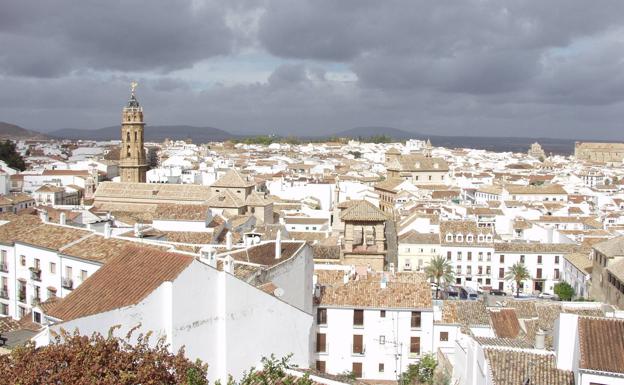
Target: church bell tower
132 160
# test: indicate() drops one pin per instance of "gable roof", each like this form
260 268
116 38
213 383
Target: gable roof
362 210
601 343
232 178
505 323
611 248
512 367
125 280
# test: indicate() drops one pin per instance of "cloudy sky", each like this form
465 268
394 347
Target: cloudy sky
473 67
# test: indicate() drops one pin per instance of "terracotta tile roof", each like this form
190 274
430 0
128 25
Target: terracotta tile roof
505 323
180 212
100 249
414 237
512 368
50 236
466 313
403 290
523 308
602 344
264 254
125 280
543 189
152 191
389 184
232 179
226 199
524 247
47 188
418 163
8 324
362 210
580 261
611 248
518 343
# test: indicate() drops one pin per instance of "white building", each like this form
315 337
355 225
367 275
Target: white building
372 324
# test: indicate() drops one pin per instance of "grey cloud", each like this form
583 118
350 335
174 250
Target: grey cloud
137 35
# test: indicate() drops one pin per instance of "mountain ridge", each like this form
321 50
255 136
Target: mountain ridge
15 132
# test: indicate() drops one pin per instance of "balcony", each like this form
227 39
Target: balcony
4 268
322 349
21 296
67 283
35 274
4 294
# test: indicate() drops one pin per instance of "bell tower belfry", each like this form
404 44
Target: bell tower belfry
132 160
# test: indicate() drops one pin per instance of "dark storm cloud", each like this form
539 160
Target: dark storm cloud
491 67
52 38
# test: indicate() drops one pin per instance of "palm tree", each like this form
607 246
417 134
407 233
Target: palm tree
518 273
440 270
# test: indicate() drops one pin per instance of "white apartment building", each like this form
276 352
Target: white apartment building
577 272
416 250
544 261
371 324
469 249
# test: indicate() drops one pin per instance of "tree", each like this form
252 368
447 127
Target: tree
517 273
564 291
273 372
77 359
439 270
9 154
422 372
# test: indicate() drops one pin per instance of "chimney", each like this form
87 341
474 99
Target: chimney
228 264
278 244
540 336
137 230
383 283
228 240
345 278
107 230
209 256
63 219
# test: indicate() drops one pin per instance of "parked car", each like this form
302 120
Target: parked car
497 292
468 293
554 297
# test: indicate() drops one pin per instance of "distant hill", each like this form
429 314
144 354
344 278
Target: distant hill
152 133
367 132
12 131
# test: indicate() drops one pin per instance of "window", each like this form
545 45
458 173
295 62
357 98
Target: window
501 272
448 255
449 238
469 238
321 316
470 255
416 318
23 260
469 270
488 270
444 336
356 369
556 259
382 313
358 317
488 238
381 367
502 258
539 259
459 255
358 344
52 268
556 273
408 264
37 317
83 275
539 273
459 238
489 256
488 281
522 259
21 311
414 345
320 366
4 309
321 346
382 340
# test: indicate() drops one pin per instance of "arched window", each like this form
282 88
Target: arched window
469 238
459 238
135 136
128 136
449 238
128 150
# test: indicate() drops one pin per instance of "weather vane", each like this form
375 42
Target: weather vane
133 86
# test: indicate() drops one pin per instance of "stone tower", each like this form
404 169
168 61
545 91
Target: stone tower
132 160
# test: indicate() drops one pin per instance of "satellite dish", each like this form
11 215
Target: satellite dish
279 292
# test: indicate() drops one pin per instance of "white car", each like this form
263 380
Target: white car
548 296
